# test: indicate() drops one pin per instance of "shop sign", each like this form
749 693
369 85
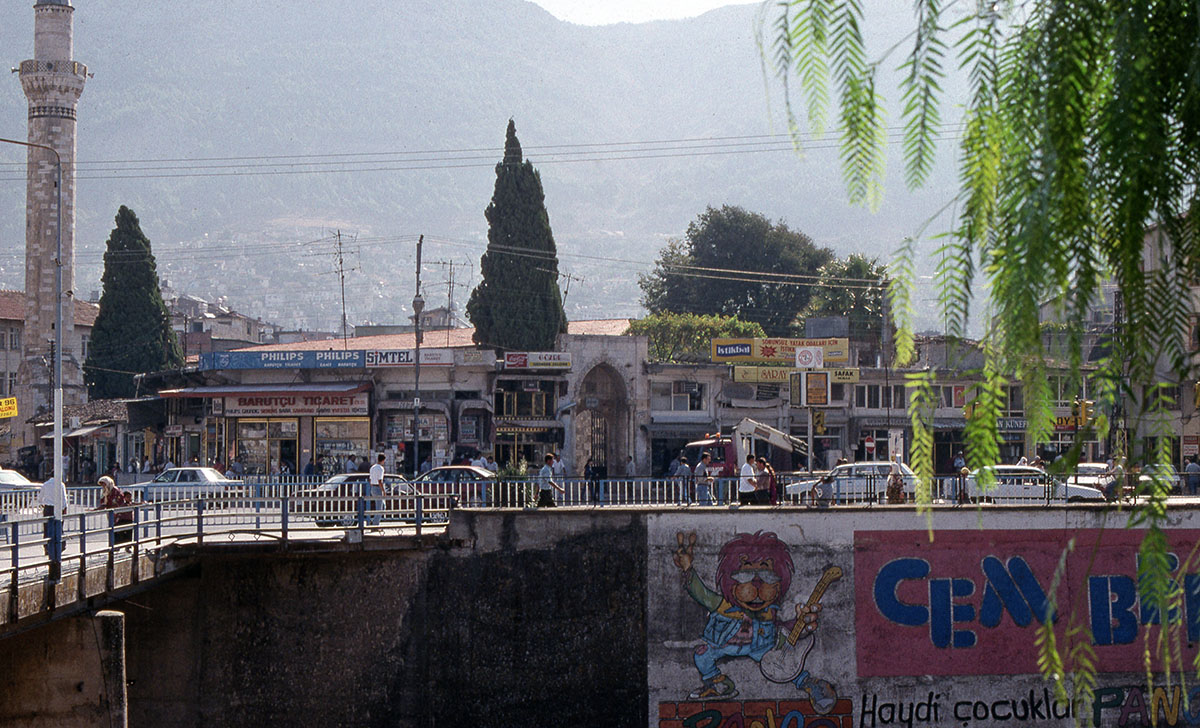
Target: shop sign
476 356
537 360
8 407
297 404
810 389
334 359
377 358
833 351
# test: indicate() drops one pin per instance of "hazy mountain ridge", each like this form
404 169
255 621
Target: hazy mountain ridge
209 79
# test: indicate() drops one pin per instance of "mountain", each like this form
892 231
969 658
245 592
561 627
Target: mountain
384 120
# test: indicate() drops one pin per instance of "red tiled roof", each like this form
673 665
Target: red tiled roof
440 339
12 308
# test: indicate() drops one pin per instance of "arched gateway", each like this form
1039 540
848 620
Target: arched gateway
602 421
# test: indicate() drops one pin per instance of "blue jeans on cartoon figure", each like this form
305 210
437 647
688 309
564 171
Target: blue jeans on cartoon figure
721 641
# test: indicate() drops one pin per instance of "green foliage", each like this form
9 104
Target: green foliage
852 287
132 333
517 304
1079 161
736 263
686 336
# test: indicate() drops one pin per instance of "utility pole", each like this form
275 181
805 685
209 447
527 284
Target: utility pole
418 305
341 269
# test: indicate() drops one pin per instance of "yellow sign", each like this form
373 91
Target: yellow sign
779 375
762 375
8 407
835 351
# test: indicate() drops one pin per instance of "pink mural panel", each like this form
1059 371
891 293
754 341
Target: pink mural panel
969 602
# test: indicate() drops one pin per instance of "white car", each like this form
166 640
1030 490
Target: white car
12 480
1025 484
857 482
185 484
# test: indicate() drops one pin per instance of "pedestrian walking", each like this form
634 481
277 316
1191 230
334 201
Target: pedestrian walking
704 480
375 490
747 482
1193 475
546 484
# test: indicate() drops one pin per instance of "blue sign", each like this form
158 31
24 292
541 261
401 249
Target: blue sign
733 349
351 359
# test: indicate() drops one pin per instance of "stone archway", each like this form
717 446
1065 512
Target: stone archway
602 421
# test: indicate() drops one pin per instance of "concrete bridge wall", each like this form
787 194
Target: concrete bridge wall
586 618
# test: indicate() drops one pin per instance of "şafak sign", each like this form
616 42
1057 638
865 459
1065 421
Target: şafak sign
835 351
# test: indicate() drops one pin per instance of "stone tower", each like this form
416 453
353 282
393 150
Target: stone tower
52 82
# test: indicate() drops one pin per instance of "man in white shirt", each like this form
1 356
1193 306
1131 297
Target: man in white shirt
748 482
546 482
375 490
704 480
54 506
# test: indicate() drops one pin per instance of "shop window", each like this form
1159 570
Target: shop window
875 396
678 396
531 399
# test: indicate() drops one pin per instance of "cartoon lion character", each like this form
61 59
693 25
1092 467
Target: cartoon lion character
754 572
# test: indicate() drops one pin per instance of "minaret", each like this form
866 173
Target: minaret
52 82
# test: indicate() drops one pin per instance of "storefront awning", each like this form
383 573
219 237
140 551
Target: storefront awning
77 432
243 390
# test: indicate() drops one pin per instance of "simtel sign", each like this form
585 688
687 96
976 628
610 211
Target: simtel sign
297 404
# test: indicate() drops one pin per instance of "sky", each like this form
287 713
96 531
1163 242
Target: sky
605 12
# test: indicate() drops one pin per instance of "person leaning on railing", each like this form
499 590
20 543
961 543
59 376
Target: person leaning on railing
115 499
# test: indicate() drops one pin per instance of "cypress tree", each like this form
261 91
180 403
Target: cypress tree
132 333
517 304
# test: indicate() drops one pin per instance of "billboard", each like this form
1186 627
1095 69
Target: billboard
783 351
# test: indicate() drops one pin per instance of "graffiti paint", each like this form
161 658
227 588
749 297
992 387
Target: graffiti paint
753 714
936 608
748 618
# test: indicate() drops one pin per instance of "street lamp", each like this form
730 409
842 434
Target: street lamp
58 344
418 305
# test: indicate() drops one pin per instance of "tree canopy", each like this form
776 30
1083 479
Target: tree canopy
1079 161
132 333
732 262
517 304
687 336
852 287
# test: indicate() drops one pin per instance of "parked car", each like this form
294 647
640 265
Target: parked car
1093 475
1025 484
186 483
857 482
335 502
1167 473
12 480
464 485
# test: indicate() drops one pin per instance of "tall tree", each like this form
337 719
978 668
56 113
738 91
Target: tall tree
686 336
132 333
852 287
517 304
1079 161
736 263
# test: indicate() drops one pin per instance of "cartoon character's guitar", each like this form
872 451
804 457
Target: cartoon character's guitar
785 663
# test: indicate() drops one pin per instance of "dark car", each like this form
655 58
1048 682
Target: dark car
457 485
335 502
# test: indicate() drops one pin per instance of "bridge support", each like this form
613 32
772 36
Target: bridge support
70 672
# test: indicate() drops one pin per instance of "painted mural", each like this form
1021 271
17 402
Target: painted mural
775 621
